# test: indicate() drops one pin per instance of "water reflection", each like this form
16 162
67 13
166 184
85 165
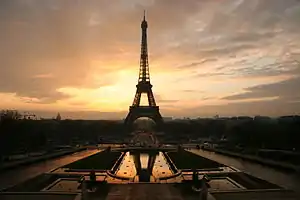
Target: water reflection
127 167
160 166
144 160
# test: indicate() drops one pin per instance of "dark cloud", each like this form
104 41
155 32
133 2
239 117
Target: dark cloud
231 28
193 91
214 51
274 69
160 100
197 63
249 37
250 69
263 107
230 49
285 91
201 75
255 15
207 98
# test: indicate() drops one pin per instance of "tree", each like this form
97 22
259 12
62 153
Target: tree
10 115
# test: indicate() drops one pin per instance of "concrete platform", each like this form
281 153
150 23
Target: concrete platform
148 191
143 191
37 196
256 195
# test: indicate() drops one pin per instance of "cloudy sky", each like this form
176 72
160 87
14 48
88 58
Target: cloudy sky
207 57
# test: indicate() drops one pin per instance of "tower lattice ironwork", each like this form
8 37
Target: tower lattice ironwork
144 87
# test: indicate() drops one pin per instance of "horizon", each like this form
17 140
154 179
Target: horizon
96 115
206 58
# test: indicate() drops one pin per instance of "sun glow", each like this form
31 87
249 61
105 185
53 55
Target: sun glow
117 96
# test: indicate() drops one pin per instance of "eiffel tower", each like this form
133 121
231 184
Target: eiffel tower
144 86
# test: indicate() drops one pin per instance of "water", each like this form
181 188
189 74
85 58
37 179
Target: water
144 160
12 177
127 167
160 167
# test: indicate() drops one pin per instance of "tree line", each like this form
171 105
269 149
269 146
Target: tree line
22 135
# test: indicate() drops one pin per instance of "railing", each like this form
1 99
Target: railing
171 176
170 163
117 164
118 177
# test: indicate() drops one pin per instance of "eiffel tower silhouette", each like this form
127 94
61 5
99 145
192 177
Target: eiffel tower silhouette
144 86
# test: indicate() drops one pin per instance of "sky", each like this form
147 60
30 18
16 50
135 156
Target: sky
206 57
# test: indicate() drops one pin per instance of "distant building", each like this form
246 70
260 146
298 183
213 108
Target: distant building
58 117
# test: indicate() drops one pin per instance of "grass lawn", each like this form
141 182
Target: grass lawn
187 160
102 160
34 184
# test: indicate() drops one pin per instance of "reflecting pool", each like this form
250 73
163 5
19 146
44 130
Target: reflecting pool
160 166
